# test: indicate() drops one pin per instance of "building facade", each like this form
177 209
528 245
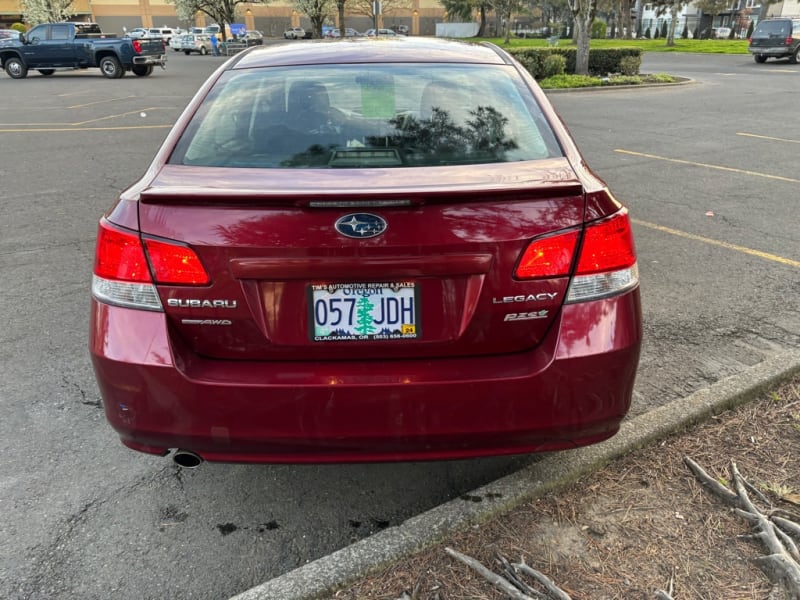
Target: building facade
271 19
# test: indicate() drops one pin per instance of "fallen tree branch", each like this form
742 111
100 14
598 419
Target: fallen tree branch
496 580
782 563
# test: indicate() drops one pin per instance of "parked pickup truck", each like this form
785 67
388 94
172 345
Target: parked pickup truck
55 46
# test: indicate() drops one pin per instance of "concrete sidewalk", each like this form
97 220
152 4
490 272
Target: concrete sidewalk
324 575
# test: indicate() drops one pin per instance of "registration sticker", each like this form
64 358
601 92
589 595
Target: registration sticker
364 311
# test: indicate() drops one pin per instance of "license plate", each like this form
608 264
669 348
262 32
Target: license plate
364 311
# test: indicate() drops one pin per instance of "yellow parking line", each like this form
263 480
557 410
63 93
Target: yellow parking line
708 166
767 137
101 102
713 242
85 129
125 114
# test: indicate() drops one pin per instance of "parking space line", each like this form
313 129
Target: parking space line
713 242
707 166
767 137
125 114
101 102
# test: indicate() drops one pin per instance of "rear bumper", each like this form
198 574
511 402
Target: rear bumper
771 50
160 60
573 390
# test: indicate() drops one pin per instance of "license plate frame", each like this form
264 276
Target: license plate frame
366 312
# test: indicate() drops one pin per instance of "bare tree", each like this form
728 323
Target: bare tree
221 12
367 7
317 11
35 12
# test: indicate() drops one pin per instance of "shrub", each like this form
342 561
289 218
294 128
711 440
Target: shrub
19 27
664 29
598 29
570 81
647 33
696 33
554 64
629 65
601 60
750 29
685 33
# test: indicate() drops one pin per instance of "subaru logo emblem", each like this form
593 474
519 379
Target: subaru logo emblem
360 225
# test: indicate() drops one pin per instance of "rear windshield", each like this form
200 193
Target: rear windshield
352 116
773 29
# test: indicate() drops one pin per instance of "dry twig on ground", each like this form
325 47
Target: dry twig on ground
782 564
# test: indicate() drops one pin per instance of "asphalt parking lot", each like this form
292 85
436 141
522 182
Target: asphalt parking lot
708 171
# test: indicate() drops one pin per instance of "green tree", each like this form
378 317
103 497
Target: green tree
221 12
364 322
35 12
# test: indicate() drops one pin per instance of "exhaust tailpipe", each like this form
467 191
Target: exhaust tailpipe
186 459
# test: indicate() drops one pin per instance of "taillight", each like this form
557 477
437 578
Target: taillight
119 255
122 272
137 46
607 263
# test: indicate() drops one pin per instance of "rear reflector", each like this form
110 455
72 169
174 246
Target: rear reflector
175 264
548 257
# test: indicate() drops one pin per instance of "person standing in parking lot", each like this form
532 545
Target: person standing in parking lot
214 44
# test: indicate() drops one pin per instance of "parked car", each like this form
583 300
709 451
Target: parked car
379 32
336 33
252 37
176 43
400 29
716 33
297 33
394 251
9 34
776 38
165 33
196 42
138 33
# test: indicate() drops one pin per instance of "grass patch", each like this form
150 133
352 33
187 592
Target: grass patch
580 81
659 45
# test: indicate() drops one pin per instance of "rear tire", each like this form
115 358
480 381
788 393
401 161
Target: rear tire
15 68
203 50
795 58
111 68
187 52
760 58
142 70
47 72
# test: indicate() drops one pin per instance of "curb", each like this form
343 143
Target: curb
555 470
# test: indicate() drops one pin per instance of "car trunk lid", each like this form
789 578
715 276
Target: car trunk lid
438 281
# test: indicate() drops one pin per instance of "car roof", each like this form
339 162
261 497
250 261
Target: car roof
397 49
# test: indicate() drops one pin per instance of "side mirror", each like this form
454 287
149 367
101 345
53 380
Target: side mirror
22 38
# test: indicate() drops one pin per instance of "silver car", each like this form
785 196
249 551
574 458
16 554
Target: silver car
196 42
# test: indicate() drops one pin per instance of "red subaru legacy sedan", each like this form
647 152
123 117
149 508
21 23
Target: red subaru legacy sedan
365 250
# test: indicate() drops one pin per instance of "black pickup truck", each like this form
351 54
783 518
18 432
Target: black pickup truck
55 46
